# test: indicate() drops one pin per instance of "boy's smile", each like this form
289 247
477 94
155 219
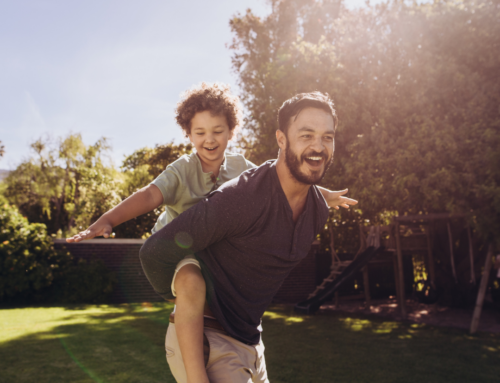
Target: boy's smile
210 135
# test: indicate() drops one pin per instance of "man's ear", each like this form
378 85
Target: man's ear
281 138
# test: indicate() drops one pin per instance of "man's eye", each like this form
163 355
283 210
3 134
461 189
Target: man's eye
306 136
329 138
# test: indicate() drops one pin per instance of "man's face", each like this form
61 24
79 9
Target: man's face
310 145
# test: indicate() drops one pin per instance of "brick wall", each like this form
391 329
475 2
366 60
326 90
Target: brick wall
122 257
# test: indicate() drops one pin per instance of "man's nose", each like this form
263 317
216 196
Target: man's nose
318 145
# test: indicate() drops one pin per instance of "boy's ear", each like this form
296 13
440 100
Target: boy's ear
281 138
231 134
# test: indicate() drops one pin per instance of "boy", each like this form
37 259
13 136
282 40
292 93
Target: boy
209 115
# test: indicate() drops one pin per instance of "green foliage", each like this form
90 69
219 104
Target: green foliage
65 184
140 169
157 159
27 257
416 89
32 270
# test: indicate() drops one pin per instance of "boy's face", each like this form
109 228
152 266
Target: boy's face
209 135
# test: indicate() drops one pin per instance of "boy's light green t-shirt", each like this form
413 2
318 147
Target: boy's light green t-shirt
183 183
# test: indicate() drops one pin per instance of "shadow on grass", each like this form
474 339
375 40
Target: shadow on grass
336 347
90 344
124 343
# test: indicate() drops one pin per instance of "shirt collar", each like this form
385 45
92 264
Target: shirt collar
222 169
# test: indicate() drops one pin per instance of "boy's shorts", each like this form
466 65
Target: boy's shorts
188 260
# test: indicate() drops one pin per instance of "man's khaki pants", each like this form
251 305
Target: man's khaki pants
229 361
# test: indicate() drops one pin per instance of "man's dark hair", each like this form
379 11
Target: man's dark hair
293 106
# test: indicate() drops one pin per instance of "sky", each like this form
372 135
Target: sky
112 68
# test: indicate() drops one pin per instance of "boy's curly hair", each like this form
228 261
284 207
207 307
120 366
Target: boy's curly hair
214 97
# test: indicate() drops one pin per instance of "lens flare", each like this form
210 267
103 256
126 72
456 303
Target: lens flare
78 362
183 240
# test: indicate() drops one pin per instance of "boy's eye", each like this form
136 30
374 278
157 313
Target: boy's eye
200 134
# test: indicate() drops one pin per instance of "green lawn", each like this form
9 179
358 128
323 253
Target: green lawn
124 343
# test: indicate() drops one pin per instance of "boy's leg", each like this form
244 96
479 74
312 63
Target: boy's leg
174 356
190 301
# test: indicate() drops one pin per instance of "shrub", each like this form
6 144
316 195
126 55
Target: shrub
27 256
31 270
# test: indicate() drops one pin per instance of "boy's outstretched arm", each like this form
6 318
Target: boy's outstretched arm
336 198
141 202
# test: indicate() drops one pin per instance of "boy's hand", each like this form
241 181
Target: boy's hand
336 199
101 227
139 203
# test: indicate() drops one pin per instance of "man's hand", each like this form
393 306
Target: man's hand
336 198
100 227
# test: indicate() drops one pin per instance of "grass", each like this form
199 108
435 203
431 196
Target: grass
125 343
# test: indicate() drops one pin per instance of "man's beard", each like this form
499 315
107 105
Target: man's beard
293 163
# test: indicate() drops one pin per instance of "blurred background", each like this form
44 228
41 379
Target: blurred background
415 84
88 92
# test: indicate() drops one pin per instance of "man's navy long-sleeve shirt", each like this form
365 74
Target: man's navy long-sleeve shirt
247 243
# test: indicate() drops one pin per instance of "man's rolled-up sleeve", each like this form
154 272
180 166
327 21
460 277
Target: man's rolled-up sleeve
208 222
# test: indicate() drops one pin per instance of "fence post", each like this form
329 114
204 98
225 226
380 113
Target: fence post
482 291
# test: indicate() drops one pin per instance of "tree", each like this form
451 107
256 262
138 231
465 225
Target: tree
140 169
65 184
416 88
155 160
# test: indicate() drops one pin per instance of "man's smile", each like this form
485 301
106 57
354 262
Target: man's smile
315 161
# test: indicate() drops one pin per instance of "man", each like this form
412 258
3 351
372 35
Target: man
248 235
